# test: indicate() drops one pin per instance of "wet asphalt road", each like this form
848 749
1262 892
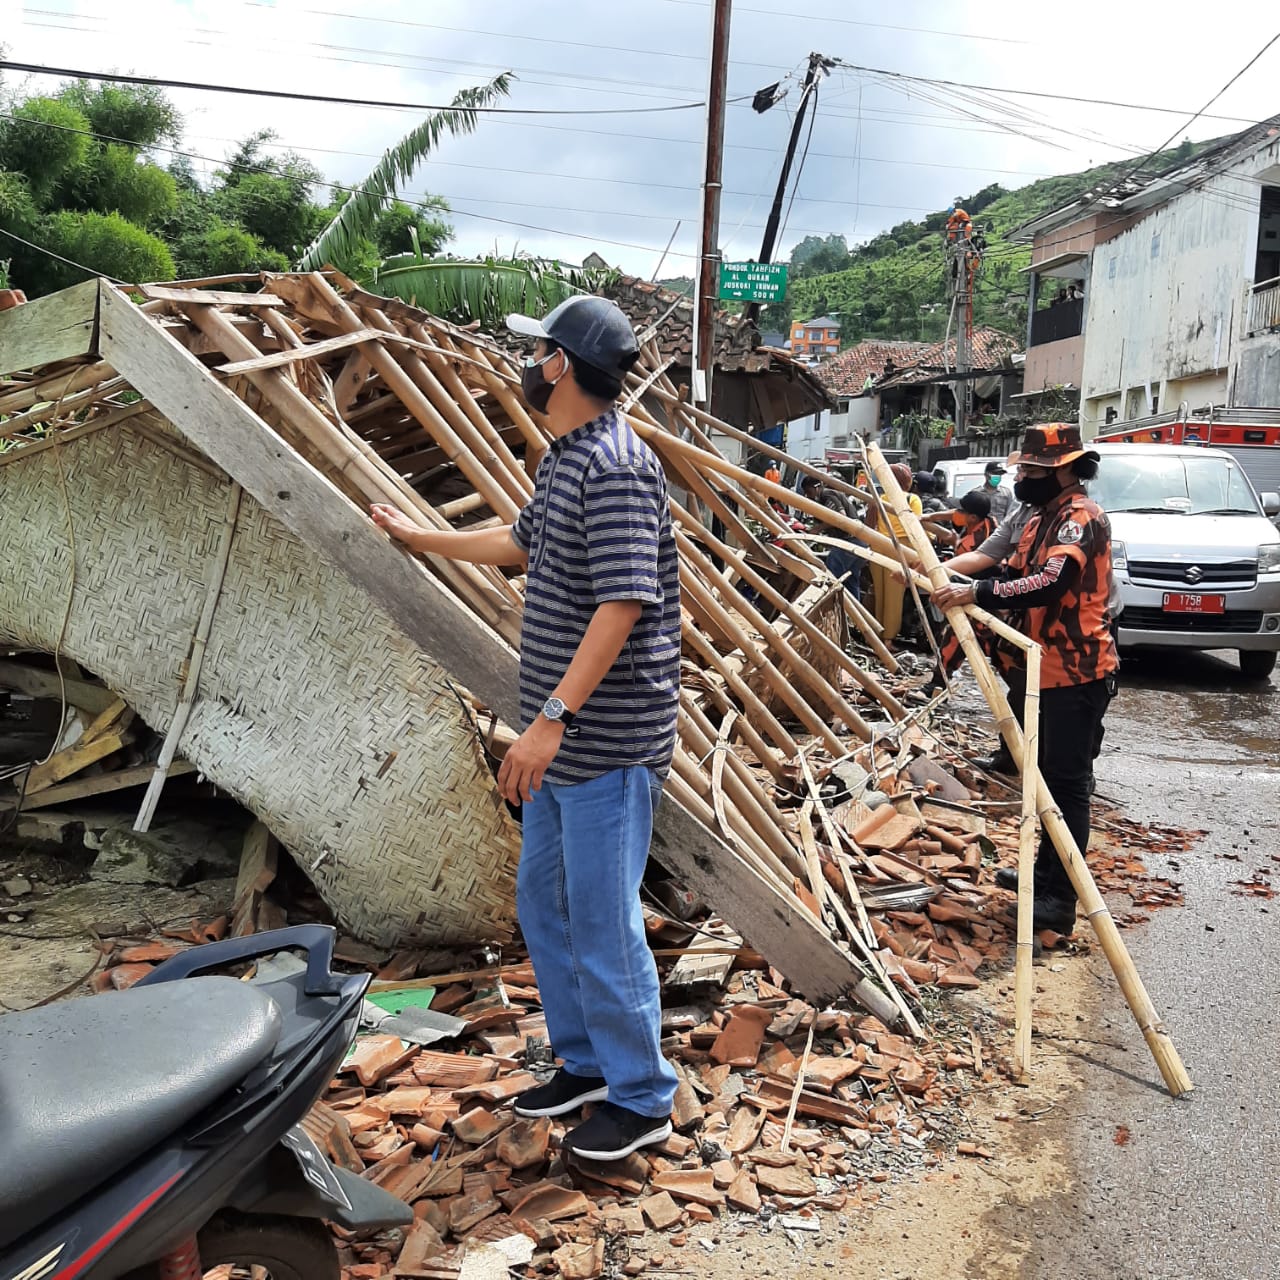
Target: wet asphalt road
1196 1190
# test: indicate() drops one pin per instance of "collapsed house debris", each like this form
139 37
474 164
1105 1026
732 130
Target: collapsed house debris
826 833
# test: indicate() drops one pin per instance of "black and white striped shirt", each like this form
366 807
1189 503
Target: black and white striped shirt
599 529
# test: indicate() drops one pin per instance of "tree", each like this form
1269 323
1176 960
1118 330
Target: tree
44 140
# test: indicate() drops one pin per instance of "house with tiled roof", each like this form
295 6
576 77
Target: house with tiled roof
876 382
847 374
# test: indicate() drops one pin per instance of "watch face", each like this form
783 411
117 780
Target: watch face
553 709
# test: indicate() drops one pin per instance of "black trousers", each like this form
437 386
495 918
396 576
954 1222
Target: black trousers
1071 733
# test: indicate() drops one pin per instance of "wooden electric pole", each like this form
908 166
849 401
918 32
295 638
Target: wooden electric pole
708 282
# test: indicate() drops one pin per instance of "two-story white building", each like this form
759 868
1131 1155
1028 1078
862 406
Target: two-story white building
1163 294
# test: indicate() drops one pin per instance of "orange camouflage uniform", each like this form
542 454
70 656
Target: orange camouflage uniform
970 540
1073 630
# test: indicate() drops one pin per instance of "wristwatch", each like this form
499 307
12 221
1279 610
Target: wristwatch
554 709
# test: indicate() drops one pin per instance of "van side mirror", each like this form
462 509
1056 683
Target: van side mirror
1271 503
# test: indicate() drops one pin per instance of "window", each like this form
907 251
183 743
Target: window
1111 268
1155 244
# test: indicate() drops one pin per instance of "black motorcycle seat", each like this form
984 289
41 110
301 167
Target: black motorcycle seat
88 1086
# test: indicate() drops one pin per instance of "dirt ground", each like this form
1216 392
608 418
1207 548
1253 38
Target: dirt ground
967 1219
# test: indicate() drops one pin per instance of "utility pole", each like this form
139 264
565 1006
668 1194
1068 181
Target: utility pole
817 64
707 288
964 253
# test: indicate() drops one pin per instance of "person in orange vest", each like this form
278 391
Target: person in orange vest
772 474
959 224
972 526
1057 587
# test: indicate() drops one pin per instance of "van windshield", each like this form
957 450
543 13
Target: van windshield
1177 485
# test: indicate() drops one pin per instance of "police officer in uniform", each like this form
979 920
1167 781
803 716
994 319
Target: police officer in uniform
1057 587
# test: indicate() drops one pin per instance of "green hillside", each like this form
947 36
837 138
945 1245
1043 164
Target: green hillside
893 285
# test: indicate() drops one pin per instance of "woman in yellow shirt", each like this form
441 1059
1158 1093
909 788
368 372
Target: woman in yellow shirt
890 592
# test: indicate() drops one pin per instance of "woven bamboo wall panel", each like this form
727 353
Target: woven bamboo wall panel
314 711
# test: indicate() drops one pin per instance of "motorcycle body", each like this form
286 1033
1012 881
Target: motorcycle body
154 1133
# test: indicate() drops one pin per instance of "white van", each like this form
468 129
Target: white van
959 475
1195 554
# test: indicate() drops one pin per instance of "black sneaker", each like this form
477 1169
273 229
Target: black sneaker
1000 762
613 1132
562 1093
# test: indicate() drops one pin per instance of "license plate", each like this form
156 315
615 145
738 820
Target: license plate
1193 602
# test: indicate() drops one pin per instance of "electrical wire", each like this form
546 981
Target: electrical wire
41 249
33 68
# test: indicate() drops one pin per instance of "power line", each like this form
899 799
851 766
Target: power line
1040 93
1182 128
853 22
79 266
120 78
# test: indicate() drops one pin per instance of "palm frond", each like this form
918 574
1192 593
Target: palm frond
487 290
354 220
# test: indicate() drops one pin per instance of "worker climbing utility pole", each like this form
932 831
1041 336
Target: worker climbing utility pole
964 261
708 285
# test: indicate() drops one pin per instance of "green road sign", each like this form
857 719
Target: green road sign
752 281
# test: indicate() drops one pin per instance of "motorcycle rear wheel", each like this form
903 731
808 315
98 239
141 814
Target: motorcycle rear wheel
243 1245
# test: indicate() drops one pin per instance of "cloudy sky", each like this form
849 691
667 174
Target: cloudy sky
563 184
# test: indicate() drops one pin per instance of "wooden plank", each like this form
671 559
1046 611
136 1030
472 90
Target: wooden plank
204 297
221 425
257 871
706 959
307 352
60 326
82 788
38 683
62 764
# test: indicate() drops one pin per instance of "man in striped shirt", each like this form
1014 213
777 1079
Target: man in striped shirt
599 689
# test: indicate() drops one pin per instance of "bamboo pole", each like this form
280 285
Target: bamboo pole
464 454
1023 977
55 386
1153 1031
786 691
872 631
758 582
769 723
195 661
354 460
768 756
439 381
801 668
746 793
770 451
752 849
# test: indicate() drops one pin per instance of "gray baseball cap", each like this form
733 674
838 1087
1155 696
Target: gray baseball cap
591 328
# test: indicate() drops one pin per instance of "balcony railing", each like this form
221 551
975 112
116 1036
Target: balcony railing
1264 306
1063 320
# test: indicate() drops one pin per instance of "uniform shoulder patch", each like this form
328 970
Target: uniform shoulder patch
1070 533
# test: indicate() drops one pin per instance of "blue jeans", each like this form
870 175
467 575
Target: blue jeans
582 857
840 562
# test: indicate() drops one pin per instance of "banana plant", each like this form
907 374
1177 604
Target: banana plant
485 289
353 223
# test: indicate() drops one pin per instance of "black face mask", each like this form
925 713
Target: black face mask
1039 492
535 387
